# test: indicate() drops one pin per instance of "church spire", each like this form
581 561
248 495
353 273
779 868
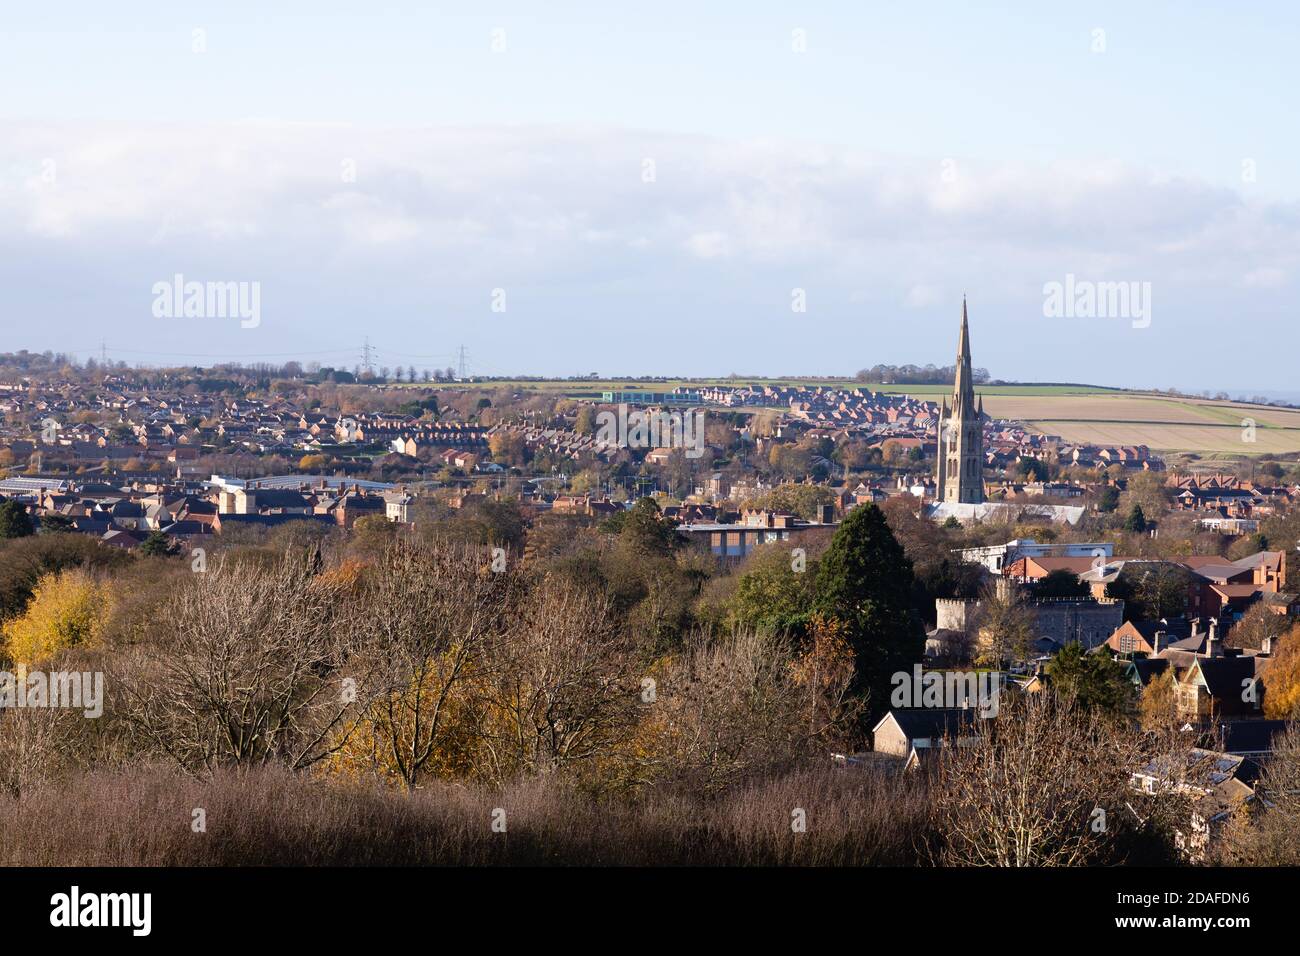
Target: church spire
961 439
963 387
963 341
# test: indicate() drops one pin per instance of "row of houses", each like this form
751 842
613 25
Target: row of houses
1228 504
124 517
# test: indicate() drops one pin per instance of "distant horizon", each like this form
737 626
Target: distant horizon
1291 396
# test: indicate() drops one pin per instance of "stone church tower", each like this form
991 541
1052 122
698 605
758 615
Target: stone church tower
961 434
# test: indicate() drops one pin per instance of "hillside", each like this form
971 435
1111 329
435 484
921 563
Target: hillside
1080 413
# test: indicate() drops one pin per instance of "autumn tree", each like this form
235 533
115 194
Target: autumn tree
24 561
1147 493
725 709
493 522
508 448
444 608
825 670
774 590
1282 678
794 498
1156 704
789 460
67 610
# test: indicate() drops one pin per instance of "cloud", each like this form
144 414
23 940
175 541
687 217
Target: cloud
563 215
527 189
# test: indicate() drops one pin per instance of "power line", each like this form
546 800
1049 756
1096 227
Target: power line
105 349
369 354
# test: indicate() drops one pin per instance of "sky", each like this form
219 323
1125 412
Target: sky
630 189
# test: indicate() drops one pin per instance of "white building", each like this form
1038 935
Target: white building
998 556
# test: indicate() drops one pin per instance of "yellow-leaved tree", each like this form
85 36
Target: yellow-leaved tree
1156 710
1282 679
67 609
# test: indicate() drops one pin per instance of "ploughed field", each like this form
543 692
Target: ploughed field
1167 425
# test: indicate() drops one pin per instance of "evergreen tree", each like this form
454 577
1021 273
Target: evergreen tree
156 545
1090 680
864 580
1136 520
54 523
1060 583
15 522
644 530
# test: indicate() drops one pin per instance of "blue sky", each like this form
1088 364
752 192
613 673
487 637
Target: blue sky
907 156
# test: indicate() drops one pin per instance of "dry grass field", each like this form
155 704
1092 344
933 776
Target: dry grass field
1164 424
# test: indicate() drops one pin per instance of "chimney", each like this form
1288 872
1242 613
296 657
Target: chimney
1159 640
1267 647
1212 639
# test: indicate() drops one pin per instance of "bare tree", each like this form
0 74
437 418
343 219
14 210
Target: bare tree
1043 784
727 708
1264 832
1004 624
563 691
248 670
426 622
35 745
1260 625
